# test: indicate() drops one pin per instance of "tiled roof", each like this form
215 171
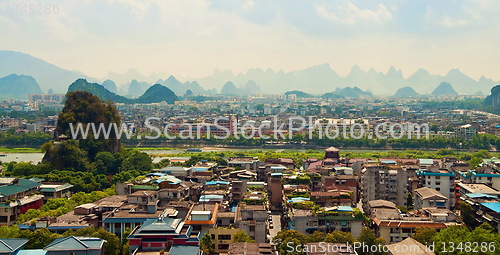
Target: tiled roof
75 243
22 186
10 245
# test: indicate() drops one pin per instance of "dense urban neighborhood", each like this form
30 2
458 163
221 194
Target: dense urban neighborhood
243 127
279 196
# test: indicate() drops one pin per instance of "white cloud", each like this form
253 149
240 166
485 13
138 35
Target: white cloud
446 21
192 38
349 13
248 5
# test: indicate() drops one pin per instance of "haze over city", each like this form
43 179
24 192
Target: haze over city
190 40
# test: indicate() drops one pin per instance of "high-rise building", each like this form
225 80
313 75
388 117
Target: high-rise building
380 181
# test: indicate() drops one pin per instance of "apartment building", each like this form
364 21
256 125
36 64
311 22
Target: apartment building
253 219
441 180
380 181
222 238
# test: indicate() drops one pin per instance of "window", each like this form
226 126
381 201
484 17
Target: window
225 237
223 246
438 189
407 230
252 228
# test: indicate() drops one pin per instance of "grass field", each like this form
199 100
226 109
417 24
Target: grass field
19 150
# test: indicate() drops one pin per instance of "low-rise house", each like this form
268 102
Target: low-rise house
17 195
341 218
395 227
164 234
466 188
202 216
427 197
246 163
486 208
55 190
222 238
332 198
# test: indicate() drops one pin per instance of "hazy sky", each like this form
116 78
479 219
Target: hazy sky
192 38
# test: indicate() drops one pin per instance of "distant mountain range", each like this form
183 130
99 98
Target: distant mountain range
98 90
157 93
154 94
314 80
298 94
444 89
321 78
47 75
18 87
406 92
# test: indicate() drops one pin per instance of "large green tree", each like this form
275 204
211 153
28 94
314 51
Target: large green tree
85 109
368 238
242 237
206 244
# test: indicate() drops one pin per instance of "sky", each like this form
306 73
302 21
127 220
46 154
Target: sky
192 38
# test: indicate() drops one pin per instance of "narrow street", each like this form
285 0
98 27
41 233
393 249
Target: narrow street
276 223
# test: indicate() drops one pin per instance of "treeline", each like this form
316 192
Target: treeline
107 169
34 139
477 142
55 207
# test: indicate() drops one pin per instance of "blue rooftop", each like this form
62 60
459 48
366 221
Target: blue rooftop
207 198
8 245
339 209
184 250
484 175
155 174
492 206
388 162
200 169
32 252
425 161
343 208
479 195
75 243
298 199
216 182
429 173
